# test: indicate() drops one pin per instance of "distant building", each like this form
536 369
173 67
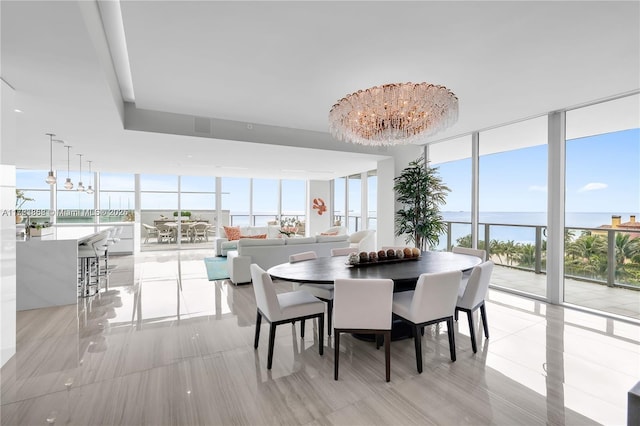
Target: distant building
616 223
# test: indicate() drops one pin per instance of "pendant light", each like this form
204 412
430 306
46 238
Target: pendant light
80 185
68 184
51 179
90 189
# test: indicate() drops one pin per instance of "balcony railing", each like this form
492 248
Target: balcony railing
608 256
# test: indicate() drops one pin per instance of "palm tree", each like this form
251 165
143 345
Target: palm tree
496 247
587 245
527 255
510 249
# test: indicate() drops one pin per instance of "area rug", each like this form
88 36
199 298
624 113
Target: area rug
216 268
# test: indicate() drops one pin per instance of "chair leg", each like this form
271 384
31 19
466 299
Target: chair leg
472 331
387 354
455 314
452 339
272 340
336 352
417 339
330 314
301 328
485 325
378 338
321 333
257 335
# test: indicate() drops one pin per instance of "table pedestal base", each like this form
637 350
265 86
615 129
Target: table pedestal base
400 330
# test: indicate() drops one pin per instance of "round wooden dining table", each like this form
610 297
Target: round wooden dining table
404 273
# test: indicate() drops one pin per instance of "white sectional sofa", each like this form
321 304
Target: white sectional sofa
223 245
274 251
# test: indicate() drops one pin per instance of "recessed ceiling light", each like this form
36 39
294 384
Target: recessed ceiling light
18 110
189 156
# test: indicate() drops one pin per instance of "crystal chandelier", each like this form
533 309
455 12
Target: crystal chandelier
392 114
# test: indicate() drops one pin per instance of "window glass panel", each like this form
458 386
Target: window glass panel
513 190
113 200
294 196
31 179
158 183
372 199
75 207
355 203
453 160
197 184
235 199
265 200
603 206
117 182
339 186
159 201
38 209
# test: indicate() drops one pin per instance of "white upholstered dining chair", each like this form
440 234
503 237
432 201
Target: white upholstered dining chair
283 308
363 306
433 301
471 296
343 251
482 254
323 292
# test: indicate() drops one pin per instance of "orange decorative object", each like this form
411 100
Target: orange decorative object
318 204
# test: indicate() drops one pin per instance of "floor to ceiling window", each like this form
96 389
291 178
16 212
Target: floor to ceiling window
339 201
354 212
513 197
372 199
236 197
265 201
38 206
116 195
453 161
602 220
74 206
198 197
294 200
159 205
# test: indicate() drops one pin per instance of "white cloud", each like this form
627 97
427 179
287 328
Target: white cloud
593 186
538 188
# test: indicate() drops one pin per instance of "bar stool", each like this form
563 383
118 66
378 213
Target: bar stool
89 256
114 238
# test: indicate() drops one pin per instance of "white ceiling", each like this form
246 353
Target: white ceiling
286 63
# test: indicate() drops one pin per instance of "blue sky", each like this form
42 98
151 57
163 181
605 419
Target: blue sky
602 175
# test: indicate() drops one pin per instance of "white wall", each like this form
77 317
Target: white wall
318 223
7 225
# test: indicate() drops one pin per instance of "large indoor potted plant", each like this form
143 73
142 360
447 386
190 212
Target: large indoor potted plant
421 192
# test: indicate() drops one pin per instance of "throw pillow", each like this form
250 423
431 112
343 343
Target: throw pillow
233 232
259 236
329 233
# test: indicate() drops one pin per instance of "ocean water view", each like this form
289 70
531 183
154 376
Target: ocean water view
525 234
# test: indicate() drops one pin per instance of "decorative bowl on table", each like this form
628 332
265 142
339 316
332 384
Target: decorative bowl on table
382 257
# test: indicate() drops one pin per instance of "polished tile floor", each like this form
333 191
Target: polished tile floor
165 346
